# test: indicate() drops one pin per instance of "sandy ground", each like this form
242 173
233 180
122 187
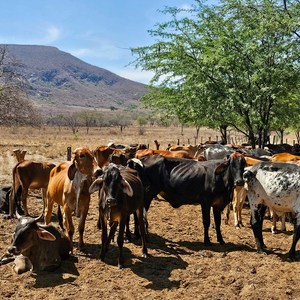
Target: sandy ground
179 265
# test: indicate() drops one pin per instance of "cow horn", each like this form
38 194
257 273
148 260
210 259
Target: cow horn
39 218
18 215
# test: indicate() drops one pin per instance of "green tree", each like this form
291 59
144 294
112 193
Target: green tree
226 65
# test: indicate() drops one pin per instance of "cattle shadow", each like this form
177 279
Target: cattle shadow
91 251
58 277
157 269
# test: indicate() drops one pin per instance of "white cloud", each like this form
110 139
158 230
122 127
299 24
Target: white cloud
48 37
135 75
53 34
101 51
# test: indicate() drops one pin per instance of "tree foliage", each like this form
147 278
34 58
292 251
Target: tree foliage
235 64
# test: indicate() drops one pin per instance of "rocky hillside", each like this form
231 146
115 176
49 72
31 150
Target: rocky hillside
58 81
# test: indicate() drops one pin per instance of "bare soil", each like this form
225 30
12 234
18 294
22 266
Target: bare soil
179 265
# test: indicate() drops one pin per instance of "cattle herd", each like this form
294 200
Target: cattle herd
127 178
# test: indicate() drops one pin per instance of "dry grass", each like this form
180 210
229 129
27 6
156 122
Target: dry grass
50 143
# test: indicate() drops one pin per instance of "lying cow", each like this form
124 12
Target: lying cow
277 186
69 187
38 247
29 174
4 199
120 194
186 181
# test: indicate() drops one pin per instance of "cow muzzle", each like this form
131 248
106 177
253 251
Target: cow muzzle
110 202
239 182
13 250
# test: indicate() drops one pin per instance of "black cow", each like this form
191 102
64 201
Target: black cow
4 199
44 246
120 194
185 181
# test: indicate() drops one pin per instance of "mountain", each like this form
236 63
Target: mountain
58 82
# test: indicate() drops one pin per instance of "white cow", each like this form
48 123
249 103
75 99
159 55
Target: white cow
277 186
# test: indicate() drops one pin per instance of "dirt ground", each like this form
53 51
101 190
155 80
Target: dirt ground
179 265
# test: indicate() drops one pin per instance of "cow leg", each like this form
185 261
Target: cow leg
83 213
274 221
44 192
102 220
137 231
206 223
68 223
48 210
24 201
140 217
283 227
120 242
217 218
257 216
228 208
127 230
296 235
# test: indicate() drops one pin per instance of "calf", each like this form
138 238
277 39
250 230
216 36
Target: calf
69 187
277 186
120 194
29 174
38 247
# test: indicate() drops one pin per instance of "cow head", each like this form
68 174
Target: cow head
235 164
83 162
113 185
27 235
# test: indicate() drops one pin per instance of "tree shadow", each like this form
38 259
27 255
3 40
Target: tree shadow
58 277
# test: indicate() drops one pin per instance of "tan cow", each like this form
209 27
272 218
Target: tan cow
285 157
165 153
69 187
188 148
28 174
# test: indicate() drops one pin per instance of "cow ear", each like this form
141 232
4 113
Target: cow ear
96 185
127 188
72 171
45 235
222 167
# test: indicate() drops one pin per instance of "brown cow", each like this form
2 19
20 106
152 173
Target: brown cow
28 174
69 188
106 154
165 153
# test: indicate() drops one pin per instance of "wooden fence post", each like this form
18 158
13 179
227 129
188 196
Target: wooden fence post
69 153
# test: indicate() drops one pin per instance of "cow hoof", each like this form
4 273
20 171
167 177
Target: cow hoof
290 259
120 266
7 217
144 255
221 242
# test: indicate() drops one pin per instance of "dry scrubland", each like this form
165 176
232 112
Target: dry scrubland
179 266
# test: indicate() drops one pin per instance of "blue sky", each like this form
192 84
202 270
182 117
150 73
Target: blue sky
99 32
